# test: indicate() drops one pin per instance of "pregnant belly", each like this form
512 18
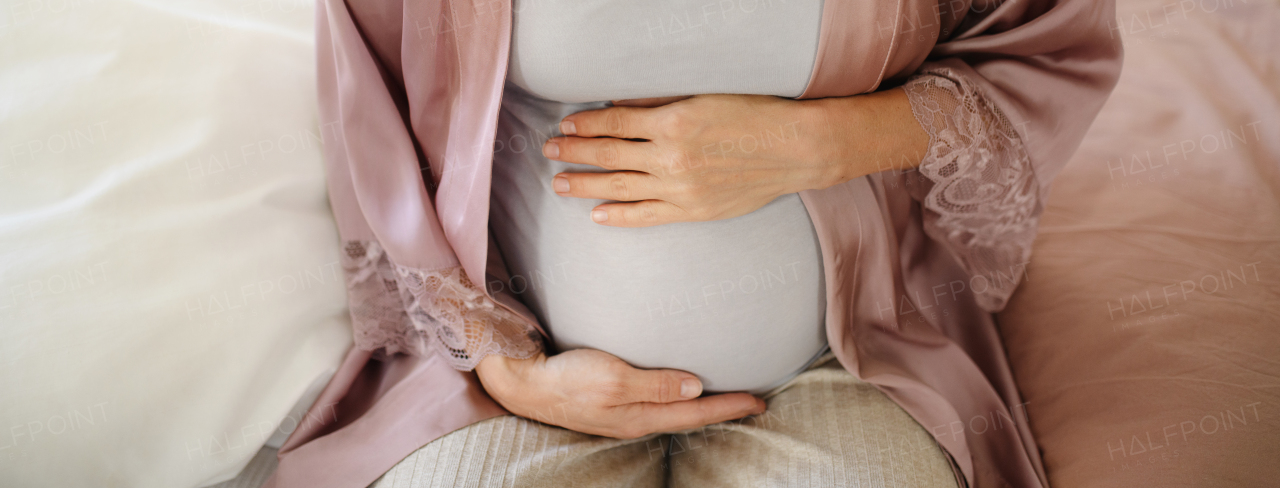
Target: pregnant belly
738 302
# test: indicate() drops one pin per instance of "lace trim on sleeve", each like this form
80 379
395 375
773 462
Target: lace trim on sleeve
981 195
397 309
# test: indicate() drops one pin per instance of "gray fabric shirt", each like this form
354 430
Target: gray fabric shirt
738 302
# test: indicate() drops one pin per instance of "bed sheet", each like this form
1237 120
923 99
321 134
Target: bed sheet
1146 337
169 278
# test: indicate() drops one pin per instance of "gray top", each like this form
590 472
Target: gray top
738 302
592 50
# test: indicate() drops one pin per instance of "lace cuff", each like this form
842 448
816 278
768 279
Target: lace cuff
397 309
979 191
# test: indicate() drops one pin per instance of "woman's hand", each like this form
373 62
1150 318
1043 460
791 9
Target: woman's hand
711 157
594 392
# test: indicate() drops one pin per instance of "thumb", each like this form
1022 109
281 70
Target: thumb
662 386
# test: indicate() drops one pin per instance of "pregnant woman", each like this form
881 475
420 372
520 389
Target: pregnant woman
720 243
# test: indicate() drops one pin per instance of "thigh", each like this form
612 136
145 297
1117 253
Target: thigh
510 451
824 428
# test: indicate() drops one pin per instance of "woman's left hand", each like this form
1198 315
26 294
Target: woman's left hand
711 157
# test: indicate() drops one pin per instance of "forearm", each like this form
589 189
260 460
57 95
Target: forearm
863 134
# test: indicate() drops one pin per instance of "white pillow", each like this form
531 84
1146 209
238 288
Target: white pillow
169 278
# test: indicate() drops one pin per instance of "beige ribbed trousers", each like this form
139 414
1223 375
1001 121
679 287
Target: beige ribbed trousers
823 428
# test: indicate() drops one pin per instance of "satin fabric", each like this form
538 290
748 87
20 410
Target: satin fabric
419 84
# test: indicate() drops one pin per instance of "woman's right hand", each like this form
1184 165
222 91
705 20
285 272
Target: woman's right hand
594 392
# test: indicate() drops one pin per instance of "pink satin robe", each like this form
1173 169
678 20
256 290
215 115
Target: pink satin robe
422 81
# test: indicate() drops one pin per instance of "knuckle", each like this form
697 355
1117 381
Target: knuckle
614 394
614 383
607 154
612 386
656 166
626 216
677 161
663 391
614 122
699 212
704 213
618 369
618 185
675 123
689 191
647 213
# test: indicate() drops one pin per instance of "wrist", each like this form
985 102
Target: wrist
865 134
499 373
826 143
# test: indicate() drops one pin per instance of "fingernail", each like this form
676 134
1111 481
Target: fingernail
561 184
690 388
551 150
601 216
567 128
761 406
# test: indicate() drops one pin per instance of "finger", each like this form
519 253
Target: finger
658 386
691 414
645 213
649 102
606 152
619 122
622 186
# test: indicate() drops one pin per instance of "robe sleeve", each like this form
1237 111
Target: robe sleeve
378 179
399 309
1006 97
